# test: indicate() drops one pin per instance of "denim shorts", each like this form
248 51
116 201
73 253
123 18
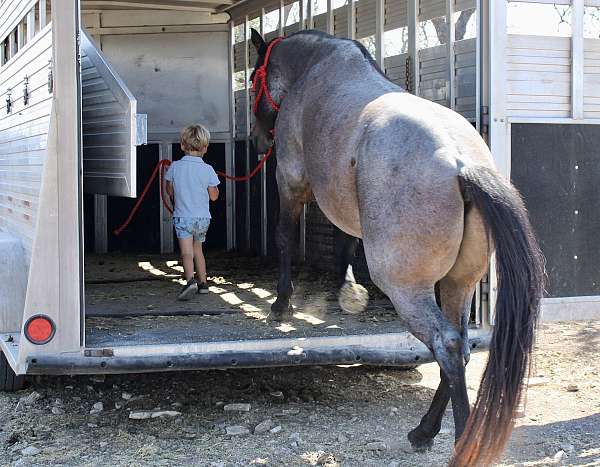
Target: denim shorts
186 227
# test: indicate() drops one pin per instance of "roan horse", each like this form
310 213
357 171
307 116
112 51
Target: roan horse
417 183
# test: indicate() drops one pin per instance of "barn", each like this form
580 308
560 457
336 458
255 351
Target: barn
93 94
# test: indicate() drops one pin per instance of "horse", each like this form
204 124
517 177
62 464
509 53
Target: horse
416 182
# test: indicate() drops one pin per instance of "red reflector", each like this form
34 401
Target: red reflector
39 329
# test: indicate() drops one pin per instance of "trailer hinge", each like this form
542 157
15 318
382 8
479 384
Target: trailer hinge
485 119
50 77
99 353
26 90
8 101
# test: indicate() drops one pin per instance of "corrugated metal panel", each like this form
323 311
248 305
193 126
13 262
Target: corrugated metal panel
538 70
466 78
433 74
395 69
109 127
396 14
591 83
365 18
429 9
320 22
23 137
340 21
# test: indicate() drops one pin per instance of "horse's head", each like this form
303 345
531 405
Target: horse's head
265 114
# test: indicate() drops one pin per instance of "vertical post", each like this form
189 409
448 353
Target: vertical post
478 69
100 224
577 52
281 17
30 24
11 45
379 26
20 36
230 150
302 21
413 21
42 4
263 177
450 51
247 129
351 19
309 14
329 18
165 152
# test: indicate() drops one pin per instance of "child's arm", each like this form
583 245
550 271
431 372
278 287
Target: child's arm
213 193
170 192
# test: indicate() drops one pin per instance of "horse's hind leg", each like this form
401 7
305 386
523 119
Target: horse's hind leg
290 207
456 291
345 249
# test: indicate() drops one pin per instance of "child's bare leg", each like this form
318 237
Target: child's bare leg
186 247
199 261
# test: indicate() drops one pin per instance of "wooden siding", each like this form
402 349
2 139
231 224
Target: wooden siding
465 78
591 78
433 74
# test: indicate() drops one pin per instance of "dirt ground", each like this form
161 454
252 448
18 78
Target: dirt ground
356 416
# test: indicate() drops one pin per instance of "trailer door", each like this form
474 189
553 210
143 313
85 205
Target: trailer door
111 127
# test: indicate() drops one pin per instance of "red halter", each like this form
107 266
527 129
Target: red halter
259 82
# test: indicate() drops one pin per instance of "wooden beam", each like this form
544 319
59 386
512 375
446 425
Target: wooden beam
577 72
94 4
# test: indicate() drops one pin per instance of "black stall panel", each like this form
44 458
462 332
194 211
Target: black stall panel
216 238
557 169
143 234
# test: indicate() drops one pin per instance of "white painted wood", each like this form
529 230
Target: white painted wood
137 18
570 308
413 21
247 142
450 53
13 282
351 19
329 18
30 24
43 14
92 4
12 12
379 23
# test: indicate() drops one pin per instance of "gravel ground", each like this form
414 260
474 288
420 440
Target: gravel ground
355 416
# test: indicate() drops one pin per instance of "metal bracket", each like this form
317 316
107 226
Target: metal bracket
99 353
50 78
485 119
8 101
26 90
141 129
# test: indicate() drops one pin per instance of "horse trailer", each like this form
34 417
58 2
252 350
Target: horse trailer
94 93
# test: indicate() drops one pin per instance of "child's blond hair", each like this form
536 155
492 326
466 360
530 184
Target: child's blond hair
195 138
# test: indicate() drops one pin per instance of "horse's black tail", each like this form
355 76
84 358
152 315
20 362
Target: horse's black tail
520 274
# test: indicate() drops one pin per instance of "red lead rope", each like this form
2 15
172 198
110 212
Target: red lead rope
259 86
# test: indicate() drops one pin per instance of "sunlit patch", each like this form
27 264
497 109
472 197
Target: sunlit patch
261 293
271 300
249 308
352 365
147 266
259 461
308 318
179 281
250 311
296 350
285 327
175 266
219 280
172 263
216 290
333 326
231 298
245 285
590 453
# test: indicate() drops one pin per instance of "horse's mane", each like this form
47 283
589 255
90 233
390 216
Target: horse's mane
362 48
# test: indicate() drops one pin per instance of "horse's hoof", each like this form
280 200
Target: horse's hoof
280 311
419 441
353 298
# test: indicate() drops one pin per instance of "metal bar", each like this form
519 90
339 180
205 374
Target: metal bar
309 15
329 17
413 21
43 22
450 51
478 70
383 349
302 21
577 52
165 152
230 151
379 23
351 19
100 224
281 17
20 36
12 49
30 24
263 178
247 129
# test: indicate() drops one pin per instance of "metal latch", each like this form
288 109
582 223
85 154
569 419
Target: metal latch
26 91
99 353
8 101
50 77
408 80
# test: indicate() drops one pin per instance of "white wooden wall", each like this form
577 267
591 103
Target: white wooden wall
23 131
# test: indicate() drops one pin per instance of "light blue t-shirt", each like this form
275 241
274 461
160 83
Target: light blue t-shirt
191 177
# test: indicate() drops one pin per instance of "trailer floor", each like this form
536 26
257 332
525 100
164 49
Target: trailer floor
131 300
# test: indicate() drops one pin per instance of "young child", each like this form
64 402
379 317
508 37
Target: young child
191 183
